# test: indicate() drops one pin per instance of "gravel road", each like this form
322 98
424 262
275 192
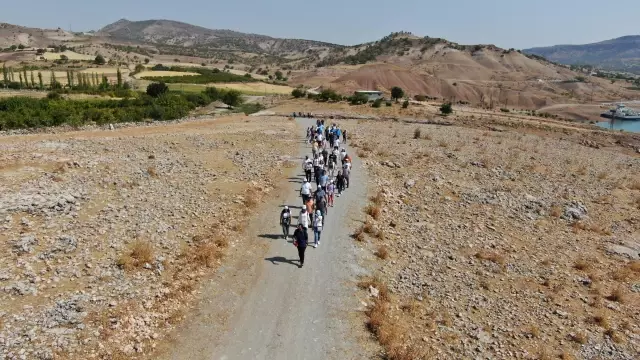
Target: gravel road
270 308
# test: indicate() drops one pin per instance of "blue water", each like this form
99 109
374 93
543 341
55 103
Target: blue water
631 126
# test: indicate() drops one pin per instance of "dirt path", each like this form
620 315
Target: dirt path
262 306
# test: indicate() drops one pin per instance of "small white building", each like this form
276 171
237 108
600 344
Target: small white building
373 95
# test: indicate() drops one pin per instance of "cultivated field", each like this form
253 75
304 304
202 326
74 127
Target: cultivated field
163 73
71 55
106 233
257 88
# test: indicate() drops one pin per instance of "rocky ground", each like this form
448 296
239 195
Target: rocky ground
501 243
106 233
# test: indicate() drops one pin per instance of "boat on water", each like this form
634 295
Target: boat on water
621 112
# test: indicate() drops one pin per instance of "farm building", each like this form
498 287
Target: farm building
373 95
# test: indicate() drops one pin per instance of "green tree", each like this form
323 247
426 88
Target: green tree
20 75
99 60
358 99
52 81
139 68
33 82
40 80
26 78
397 93
377 103
157 89
13 47
232 97
446 109
119 77
146 60
70 79
279 75
21 47
5 74
298 93
405 104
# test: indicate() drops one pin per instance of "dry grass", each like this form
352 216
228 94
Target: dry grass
359 234
151 171
416 133
615 336
532 331
251 199
374 211
382 252
383 291
601 319
634 185
490 256
566 355
603 175
618 295
362 154
369 228
582 265
582 170
443 144
207 254
140 253
556 211
378 199
579 337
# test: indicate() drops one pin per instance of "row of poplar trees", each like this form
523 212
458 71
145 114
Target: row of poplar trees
75 80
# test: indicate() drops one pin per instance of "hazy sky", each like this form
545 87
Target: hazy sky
506 23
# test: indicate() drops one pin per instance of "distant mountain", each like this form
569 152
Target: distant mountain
617 54
179 34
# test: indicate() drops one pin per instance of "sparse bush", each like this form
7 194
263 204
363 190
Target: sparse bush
388 103
99 60
405 104
618 295
298 93
140 253
374 211
504 110
54 95
420 98
382 252
377 103
446 109
358 99
582 265
417 133
490 256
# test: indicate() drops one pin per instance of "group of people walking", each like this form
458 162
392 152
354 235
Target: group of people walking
330 169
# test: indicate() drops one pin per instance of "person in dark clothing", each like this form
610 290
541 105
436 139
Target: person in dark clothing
340 183
344 136
285 221
300 240
325 156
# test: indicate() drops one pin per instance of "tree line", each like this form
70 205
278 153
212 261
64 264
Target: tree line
157 104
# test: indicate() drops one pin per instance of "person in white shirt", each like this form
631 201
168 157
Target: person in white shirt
343 154
305 192
317 228
304 219
307 166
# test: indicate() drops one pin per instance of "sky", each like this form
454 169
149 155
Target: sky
506 23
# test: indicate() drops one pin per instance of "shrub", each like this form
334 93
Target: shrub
388 103
397 93
99 60
298 93
157 89
420 98
54 95
446 109
377 103
139 68
417 133
405 104
504 110
328 95
358 99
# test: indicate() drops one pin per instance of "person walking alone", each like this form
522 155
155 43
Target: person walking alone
285 221
317 228
300 240
340 183
307 166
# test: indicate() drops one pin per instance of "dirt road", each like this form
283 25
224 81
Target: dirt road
264 307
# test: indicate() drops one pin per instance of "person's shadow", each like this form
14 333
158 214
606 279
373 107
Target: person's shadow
276 260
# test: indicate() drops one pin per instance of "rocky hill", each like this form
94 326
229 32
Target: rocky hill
617 54
174 33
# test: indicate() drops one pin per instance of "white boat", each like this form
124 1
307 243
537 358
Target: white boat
621 112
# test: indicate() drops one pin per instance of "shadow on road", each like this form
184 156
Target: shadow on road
276 260
271 236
